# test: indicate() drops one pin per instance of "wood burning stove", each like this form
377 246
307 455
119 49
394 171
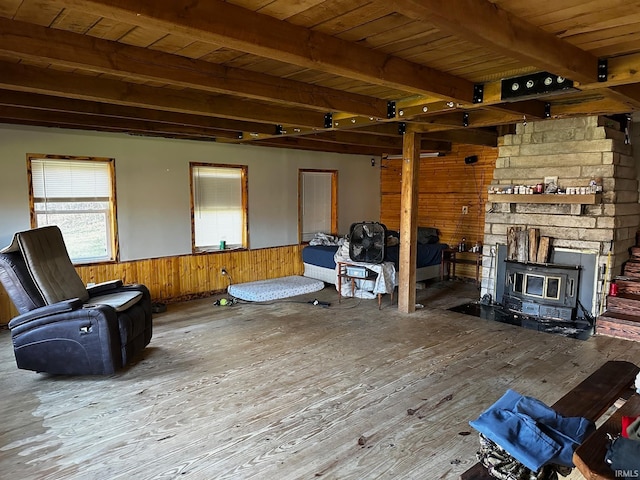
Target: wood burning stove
542 290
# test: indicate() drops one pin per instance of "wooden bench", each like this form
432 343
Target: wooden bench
591 399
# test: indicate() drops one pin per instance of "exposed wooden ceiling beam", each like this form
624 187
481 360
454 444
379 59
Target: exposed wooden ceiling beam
483 22
101 123
304 144
73 50
390 129
222 23
532 109
468 136
629 94
106 110
48 81
621 70
597 102
356 138
385 142
475 119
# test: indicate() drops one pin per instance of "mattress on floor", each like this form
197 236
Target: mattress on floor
275 288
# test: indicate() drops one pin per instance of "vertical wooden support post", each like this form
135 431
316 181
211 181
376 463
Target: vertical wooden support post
408 222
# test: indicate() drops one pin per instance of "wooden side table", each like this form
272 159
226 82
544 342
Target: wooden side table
342 274
450 257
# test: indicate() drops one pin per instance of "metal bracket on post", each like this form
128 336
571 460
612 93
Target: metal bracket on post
328 120
279 130
465 119
478 93
402 128
547 110
391 109
603 70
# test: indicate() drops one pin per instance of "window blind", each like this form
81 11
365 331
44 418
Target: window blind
70 180
218 209
316 204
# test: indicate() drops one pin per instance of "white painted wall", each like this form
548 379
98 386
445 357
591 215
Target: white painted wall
152 183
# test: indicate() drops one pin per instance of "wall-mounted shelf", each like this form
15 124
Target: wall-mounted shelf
576 201
586 199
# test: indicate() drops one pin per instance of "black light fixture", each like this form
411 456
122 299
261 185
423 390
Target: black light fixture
533 85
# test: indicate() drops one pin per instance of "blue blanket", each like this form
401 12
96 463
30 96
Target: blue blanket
322 255
531 432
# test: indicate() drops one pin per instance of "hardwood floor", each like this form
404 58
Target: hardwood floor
289 390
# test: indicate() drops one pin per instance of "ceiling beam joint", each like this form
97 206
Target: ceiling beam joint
478 93
328 120
391 109
603 70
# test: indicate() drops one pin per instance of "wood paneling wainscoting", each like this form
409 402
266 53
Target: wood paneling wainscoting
446 184
183 277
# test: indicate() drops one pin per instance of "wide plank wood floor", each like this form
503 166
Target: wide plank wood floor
289 390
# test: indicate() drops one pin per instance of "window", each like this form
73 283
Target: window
78 195
219 206
318 203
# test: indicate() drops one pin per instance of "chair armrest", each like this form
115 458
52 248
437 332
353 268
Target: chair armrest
46 311
103 287
60 313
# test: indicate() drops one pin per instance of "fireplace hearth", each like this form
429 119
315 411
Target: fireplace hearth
580 328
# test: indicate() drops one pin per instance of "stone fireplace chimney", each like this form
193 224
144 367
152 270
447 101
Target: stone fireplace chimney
576 151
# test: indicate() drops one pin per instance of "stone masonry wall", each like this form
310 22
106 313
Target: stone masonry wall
575 150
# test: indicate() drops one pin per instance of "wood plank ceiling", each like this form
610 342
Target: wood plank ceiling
332 75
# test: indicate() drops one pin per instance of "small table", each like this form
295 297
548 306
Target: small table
450 257
342 274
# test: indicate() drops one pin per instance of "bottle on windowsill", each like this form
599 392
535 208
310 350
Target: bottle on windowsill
462 246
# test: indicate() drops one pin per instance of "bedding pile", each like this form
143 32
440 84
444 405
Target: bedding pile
385 282
326 239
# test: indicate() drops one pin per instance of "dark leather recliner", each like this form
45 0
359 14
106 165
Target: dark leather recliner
64 327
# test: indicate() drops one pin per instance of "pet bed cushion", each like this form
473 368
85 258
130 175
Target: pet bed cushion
275 288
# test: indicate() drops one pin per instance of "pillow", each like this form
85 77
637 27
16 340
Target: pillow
428 235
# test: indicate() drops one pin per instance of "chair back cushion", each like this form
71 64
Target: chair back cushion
48 261
17 281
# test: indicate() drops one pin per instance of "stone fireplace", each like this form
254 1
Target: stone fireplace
589 232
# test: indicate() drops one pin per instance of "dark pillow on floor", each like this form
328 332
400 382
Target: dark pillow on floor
428 235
